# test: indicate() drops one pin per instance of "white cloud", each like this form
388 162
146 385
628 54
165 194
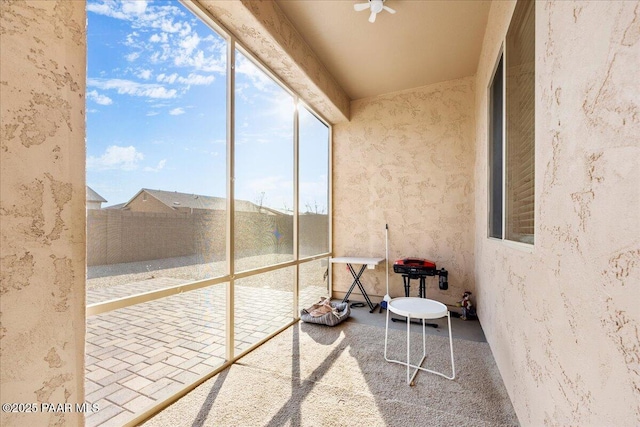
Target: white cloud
98 98
177 111
126 10
132 88
172 33
159 38
281 108
145 74
173 52
116 157
158 168
134 7
189 43
167 78
185 31
258 77
196 79
204 63
168 26
155 58
159 104
254 84
152 113
105 9
131 38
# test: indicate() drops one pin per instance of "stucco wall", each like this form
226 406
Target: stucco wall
42 208
563 321
406 159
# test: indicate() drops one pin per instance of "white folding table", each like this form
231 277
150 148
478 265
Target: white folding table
365 262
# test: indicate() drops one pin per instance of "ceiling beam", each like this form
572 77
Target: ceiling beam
264 29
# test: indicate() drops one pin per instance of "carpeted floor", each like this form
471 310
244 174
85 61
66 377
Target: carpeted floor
311 375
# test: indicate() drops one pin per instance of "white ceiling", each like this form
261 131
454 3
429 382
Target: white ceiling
425 42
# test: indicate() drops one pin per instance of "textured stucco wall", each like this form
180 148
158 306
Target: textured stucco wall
42 207
563 321
406 159
264 29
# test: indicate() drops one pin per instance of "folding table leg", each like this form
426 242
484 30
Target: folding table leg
356 279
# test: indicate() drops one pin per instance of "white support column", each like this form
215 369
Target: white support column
231 78
296 205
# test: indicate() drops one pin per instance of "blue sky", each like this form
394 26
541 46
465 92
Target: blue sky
156 112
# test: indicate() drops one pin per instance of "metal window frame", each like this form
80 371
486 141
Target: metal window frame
490 121
525 247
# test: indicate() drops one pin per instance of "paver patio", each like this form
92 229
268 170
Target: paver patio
139 355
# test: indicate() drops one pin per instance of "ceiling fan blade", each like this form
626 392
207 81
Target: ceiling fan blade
388 9
372 17
361 6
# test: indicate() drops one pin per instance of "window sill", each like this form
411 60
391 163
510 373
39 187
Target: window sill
523 247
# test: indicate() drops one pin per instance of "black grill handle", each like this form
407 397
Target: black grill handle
443 280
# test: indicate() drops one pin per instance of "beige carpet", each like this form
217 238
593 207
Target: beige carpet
313 375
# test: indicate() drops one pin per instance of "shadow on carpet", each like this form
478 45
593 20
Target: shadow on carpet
314 375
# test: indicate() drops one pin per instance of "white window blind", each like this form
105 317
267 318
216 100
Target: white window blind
520 124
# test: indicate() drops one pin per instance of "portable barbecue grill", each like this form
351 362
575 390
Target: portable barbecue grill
420 268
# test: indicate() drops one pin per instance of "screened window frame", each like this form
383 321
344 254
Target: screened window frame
232 275
232 45
503 55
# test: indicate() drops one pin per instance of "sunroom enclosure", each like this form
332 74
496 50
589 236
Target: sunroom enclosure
214 236
562 318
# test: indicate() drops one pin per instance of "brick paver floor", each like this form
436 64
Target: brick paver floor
139 355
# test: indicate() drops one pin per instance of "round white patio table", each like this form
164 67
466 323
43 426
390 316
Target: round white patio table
418 308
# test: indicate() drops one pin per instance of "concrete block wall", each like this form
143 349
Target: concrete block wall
116 236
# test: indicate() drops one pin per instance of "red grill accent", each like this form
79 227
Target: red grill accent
415 266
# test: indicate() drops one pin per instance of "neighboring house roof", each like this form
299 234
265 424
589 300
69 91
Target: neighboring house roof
92 196
176 200
118 206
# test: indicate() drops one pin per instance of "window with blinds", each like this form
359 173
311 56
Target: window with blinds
520 121
512 160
